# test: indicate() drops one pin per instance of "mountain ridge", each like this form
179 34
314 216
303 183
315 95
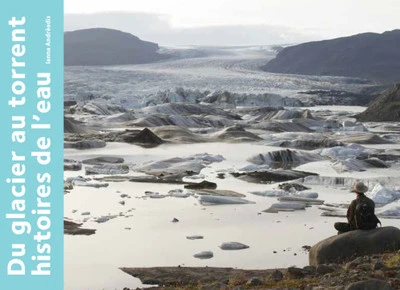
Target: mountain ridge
368 55
104 46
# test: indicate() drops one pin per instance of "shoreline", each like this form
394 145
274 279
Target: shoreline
377 271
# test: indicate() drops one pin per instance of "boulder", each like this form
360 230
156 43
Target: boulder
340 248
372 284
254 282
275 276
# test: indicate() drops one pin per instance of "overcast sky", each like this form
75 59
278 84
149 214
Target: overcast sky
234 22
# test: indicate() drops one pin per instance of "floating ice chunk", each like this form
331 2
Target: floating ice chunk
156 196
307 194
178 193
391 210
329 180
300 199
148 193
233 246
103 160
285 156
289 136
286 206
179 166
153 194
335 210
85 144
107 169
76 179
357 128
199 176
340 152
356 146
212 199
194 237
270 193
204 255
73 165
253 167
218 192
383 195
90 184
104 219
100 107
351 164
208 158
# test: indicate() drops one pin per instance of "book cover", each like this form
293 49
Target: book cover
31 199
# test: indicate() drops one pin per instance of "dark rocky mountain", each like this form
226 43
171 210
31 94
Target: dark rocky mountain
102 46
385 109
368 55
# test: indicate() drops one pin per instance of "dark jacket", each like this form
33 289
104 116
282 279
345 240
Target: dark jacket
351 211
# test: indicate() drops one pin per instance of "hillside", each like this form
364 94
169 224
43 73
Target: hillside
102 46
385 109
368 55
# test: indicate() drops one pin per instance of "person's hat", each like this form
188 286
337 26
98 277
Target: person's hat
359 187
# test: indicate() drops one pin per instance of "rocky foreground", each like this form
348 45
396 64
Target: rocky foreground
381 271
353 260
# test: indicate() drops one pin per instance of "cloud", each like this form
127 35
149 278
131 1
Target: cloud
158 28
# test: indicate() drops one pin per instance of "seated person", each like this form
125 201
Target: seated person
361 212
